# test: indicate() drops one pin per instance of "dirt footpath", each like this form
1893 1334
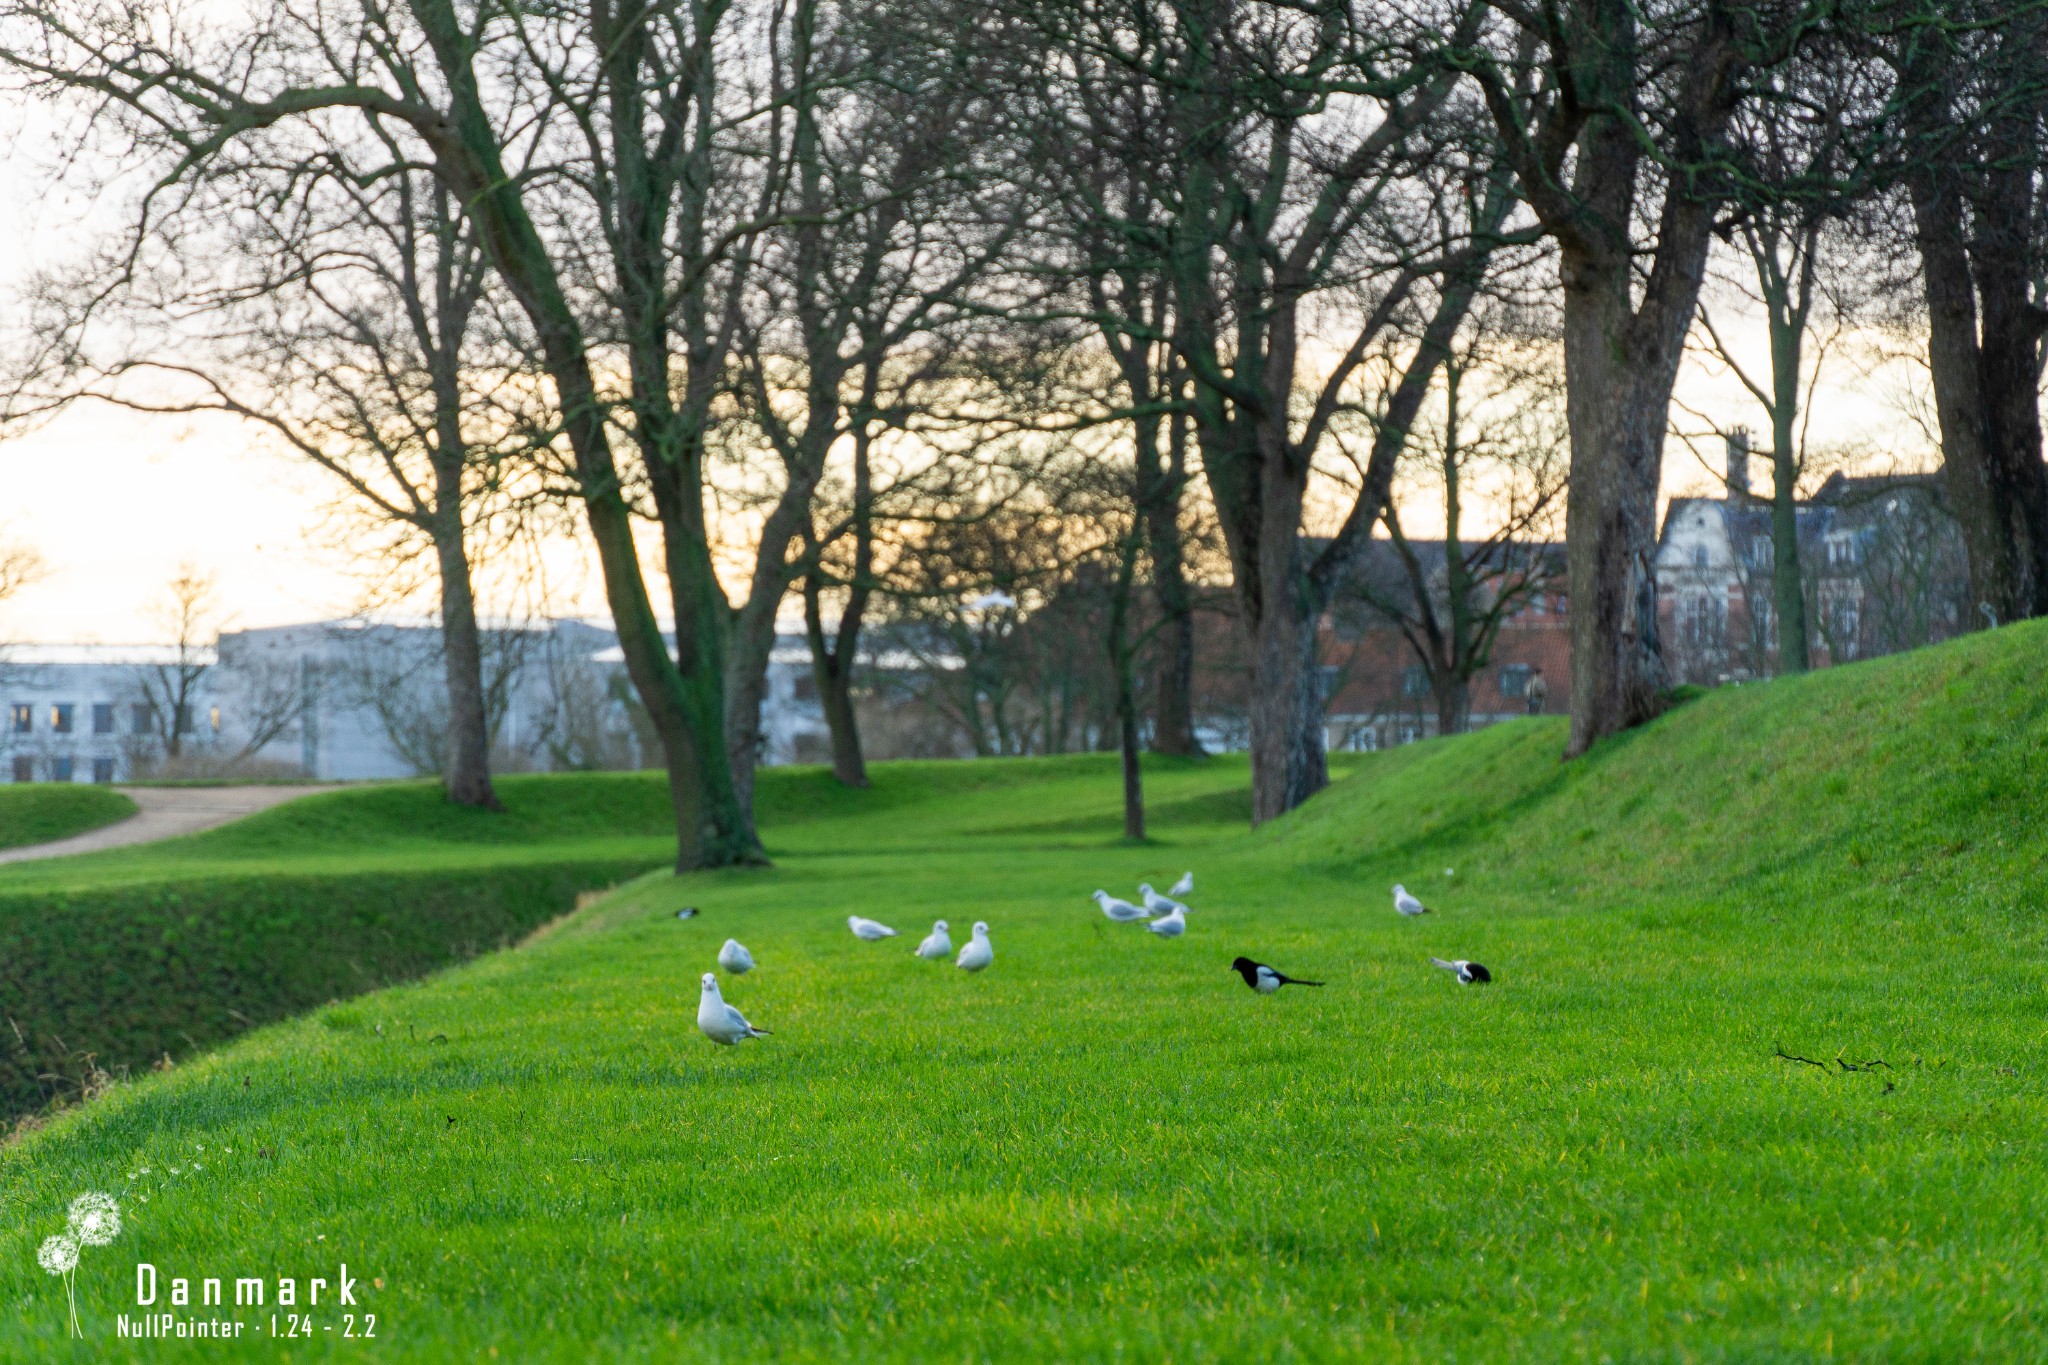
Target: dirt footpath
166 813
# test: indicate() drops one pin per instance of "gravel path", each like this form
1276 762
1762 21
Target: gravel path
166 813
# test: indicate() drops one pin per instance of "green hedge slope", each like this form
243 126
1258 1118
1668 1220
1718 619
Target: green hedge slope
37 812
119 977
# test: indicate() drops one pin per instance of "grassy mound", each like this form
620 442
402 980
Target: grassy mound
1759 1077
37 812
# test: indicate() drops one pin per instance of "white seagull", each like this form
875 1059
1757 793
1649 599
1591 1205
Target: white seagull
978 953
1468 973
720 1022
1169 925
1185 886
937 944
868 929
1158 904
1123 912
1406 903
735 958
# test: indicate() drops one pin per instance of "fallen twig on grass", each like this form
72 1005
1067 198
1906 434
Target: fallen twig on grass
1795 1057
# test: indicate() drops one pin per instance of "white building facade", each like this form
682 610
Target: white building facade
346 701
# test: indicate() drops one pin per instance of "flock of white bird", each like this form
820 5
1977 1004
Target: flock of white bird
1164 915
721 1023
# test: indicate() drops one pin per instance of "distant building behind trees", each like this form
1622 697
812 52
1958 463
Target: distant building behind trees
1884 569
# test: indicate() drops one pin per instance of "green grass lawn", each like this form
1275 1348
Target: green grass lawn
1105 1147
37 812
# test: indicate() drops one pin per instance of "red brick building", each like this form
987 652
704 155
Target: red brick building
1377 691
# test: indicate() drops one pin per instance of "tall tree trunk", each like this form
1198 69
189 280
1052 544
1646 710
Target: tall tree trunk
1134 779
680 694
2009 362
1986 386
1788 587
467 776
1453 705
1259 486
1619 402
832 670
752 645
2000 571
1173 715
835 698
1123 666
833 663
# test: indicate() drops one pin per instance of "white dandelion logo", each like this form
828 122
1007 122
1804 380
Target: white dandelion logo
95 1218
59 1254
94 1221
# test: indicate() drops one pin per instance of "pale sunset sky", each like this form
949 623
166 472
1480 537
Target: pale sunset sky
115 501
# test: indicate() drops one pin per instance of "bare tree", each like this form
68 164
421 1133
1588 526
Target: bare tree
344 310
395 676
1310 169
1500 452
1974 97
189 613
20 565
625 260
893 214
1618 119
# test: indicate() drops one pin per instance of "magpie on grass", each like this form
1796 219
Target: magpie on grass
1265 980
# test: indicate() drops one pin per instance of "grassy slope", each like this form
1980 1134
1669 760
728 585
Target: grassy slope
37 812
1105 1147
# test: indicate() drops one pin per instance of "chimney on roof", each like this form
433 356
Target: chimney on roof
1738 463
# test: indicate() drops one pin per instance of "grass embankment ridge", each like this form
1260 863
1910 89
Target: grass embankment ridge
1106 1148
112 962
39 812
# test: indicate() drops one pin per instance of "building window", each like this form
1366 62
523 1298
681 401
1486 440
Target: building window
804 687
63 714
1363 740
1841 548
1326 682
1699 556
103 718
213 719
1514 680
184 719
21 718
1760 553
103 768
141 719
24 768
60 770
1414 681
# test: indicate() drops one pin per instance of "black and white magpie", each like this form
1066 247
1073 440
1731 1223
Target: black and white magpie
1264 979
1468 973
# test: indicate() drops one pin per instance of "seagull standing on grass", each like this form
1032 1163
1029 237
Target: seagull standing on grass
978 953
1123 912
1169 925
868 929
1185 886
1406 903
937 944
1468 973
720 1022
1265 980
735 958
1158 904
